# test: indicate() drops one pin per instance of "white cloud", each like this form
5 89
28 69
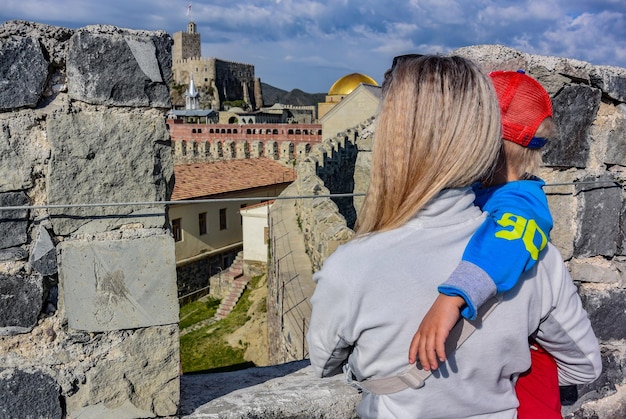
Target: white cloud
309 43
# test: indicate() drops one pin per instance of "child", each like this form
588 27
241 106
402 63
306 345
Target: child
507 244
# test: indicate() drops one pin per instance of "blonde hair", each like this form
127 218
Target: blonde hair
439 127
526 161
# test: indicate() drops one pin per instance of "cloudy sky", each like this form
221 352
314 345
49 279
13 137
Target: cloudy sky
308 44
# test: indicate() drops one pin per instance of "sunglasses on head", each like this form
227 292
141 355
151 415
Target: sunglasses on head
398 59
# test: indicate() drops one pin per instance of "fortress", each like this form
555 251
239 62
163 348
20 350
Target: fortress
219 80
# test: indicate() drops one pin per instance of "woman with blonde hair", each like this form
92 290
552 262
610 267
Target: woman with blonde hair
438 132
436 113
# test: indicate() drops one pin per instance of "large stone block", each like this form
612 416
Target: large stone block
600 206
607 311
575 109
120 67
53 38
21 298
289 390
22 146
611 80
29 394
615 132
122 284
13 223
23 72
138 378
108 157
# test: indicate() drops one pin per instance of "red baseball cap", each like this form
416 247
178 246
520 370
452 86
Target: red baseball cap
524 104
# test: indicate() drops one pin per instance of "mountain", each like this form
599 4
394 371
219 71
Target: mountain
272 95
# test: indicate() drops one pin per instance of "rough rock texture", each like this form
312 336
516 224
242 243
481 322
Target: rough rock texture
575 108
22 148
116 277
284 391
43 257
138 377
110 285
20 302
120 67
599 208
33 394
13 223
52 38
110 156
23 62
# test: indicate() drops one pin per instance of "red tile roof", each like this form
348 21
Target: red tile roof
201 180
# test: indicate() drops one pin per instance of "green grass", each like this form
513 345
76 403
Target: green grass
197 311
206 348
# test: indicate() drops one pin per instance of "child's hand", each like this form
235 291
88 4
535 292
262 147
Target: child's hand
428 342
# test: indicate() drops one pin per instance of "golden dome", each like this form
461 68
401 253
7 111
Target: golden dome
346 84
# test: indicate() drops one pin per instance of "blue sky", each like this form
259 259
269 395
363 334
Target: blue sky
308 44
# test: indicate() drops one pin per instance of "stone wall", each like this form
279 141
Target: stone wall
585 171
88 313
195 143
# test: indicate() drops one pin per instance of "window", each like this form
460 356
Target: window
223 224
202 223
176 230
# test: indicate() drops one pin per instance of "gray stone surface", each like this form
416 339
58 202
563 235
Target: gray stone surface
108 157
43 257
122 284
23 72
13 223
494 57
611 80
119 67
607 311
29 394
13 253
575 109
21 148
283 391
616 138
138 377
21 298
53 38
600 207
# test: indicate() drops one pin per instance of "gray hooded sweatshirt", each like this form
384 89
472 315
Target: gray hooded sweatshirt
372 293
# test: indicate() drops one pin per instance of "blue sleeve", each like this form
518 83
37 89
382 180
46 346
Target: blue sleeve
507 244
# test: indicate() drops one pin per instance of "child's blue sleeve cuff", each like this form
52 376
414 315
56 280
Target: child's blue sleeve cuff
471 283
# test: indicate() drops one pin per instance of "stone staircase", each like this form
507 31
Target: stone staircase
238 282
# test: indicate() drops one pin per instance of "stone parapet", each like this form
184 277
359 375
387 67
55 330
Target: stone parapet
89 312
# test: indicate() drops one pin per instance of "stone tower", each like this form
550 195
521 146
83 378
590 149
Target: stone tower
186 44
216 80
